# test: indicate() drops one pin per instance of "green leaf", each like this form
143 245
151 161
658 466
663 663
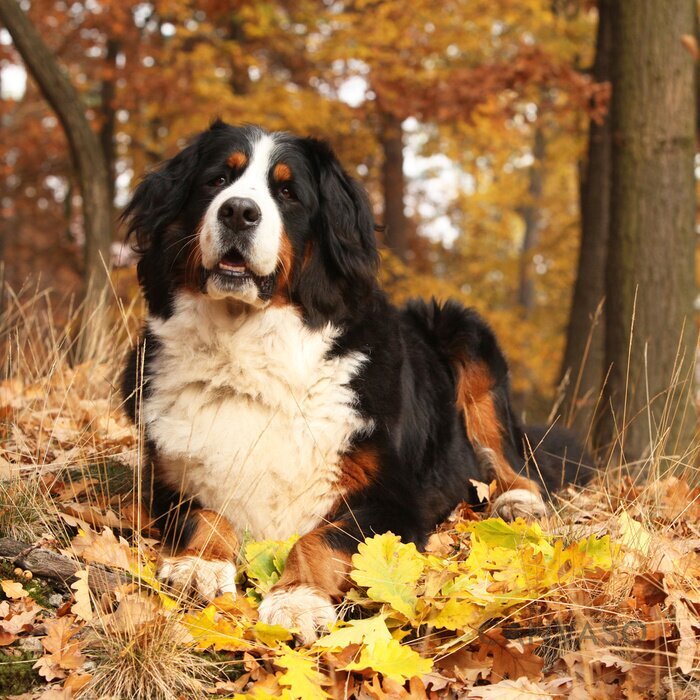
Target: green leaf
389 570
495 532
265 561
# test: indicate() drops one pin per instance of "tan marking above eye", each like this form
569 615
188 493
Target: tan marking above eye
237 160
282 172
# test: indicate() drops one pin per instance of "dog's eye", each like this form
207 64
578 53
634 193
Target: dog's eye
217 181
287 192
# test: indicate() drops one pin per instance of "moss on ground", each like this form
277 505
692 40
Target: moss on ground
16 673
38 589
115 477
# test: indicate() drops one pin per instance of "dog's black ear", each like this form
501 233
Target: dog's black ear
160 197
346 228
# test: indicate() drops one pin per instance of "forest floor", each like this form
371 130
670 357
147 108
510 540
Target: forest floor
599 600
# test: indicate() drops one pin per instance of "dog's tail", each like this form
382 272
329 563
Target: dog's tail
482 391
533 459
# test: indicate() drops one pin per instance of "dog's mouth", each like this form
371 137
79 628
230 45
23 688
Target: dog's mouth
233 264
233 273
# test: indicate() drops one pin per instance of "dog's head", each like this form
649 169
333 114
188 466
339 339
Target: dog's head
259 218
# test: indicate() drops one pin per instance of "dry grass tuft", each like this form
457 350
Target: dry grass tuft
142 655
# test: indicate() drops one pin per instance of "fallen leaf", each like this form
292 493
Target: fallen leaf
510 660
82 607
103 548
13 589
63 652
389 570
301 675
392 659
517 689
483 491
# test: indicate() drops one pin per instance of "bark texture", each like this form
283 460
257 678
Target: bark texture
531 219
393 181
650 266
85 147
584 355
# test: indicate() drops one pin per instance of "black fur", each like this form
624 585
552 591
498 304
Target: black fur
407 387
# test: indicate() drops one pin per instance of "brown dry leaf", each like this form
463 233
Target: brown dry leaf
648 590
510 659
83 515
6 638
63 652
77 681
382 690
518 689
13 589
82 608
15 620
134 611
440 543
688 652
465 666
104 548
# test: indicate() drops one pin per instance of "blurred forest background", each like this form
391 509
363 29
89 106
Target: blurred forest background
529 157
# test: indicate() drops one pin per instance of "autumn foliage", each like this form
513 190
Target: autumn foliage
472 84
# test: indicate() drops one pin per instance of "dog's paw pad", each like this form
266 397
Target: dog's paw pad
207 578
301 609
519 503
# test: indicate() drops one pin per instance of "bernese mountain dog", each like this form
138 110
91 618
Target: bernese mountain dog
281 393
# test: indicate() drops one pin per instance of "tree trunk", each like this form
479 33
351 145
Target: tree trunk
107 92
395 221
531 217
584 353
85 148
649 275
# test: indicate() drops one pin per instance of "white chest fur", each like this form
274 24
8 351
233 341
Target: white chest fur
250 415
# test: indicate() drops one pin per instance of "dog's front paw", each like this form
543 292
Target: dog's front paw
301 609
519 503
207 578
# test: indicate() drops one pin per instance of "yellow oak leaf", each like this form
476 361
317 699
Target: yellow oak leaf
302 676
367 631
13 589
211 628
392 659
389 570
269 635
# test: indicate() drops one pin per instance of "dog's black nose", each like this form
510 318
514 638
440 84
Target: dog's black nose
239 213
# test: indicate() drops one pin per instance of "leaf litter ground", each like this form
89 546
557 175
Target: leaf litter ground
601 600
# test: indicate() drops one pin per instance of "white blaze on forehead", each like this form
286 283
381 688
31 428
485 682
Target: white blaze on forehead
263 250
